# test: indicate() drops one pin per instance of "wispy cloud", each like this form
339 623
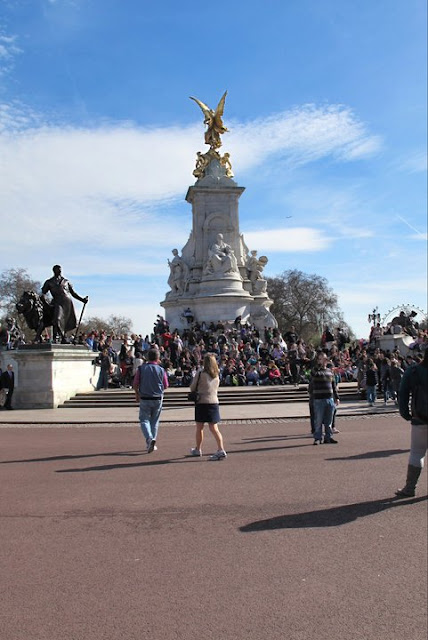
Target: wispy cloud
415 162
8 51
297 239
303 135
65 187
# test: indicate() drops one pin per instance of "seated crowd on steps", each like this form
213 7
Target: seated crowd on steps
248 356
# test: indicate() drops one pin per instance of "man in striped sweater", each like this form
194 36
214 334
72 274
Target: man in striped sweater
324 394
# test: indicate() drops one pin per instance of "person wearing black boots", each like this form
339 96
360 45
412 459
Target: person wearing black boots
414 385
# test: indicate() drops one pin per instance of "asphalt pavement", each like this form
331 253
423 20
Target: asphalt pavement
102 541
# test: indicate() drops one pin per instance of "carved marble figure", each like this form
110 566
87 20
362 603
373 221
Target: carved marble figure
221 258
255 267
179 273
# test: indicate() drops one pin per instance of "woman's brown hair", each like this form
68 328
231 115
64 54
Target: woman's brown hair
210 365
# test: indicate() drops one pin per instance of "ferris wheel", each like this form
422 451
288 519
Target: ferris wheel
418 314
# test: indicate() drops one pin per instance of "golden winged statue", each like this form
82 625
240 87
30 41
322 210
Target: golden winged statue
213 121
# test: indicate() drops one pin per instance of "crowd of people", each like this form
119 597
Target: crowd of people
206 355
151 380
247 356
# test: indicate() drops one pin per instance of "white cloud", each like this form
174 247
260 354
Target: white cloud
287 240
345 210
98 200
15 117
304 135
8 50
419 236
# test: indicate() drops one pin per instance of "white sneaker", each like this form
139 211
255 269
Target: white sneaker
196 453
335 430
219 455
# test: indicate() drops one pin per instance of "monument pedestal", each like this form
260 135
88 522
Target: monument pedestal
46 375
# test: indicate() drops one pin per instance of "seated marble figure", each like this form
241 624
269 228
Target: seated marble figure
221 258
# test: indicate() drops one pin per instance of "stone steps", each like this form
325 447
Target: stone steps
177 397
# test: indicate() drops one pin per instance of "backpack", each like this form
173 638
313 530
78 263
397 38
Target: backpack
419 398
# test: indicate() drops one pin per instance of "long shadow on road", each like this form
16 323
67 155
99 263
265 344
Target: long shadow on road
373 454
331 517
77 456
153 462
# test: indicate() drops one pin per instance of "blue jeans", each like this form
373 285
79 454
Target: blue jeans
323 415
150 411
387 390
371 393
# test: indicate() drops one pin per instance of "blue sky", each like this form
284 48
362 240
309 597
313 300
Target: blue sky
326 109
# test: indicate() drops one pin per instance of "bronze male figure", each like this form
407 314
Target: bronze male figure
64 317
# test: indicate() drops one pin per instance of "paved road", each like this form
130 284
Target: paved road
101 541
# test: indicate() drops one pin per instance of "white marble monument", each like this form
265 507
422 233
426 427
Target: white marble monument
216 278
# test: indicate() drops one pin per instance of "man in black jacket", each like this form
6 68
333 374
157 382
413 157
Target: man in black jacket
8 383
414 384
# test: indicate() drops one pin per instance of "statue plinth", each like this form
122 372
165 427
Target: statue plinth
46 374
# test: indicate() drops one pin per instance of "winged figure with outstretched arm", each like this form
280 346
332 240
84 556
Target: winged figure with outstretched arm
214 122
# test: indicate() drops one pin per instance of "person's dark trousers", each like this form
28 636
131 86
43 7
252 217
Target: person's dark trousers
8 402
311 416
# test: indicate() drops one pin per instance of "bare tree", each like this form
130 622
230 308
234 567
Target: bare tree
305 301
113 325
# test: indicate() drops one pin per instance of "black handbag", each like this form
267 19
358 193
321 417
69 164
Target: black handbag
193 396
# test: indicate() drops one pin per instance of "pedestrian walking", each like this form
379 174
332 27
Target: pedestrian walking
325 398
150 383
206 384
414 385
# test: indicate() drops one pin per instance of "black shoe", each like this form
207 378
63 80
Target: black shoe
151 447
331 441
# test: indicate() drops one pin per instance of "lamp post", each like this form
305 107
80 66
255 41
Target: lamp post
374 316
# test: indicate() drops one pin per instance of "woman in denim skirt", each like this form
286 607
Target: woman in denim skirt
206 384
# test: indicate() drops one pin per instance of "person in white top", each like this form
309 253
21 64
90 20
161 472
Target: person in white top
206 384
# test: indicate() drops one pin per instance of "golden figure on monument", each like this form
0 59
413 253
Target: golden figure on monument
225 162
202 162
213 121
